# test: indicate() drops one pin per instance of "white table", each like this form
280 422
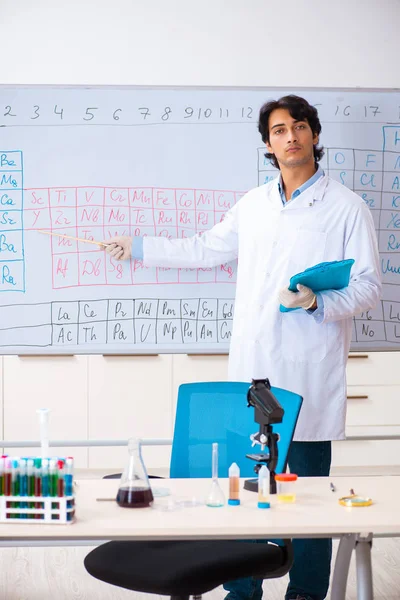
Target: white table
317 513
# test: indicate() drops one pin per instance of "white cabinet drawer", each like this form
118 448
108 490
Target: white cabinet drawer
365 453
373 405
373 368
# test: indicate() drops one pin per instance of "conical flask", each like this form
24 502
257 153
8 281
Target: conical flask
134 490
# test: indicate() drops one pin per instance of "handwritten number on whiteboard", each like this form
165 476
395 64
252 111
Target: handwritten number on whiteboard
115 116
8 112
247 112
346 110
166 114
58 112
36 112
145 112
374 110
188 112
206 113
89 113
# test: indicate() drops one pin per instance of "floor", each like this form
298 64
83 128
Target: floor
58 574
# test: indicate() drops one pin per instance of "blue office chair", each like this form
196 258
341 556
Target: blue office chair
218 412
206 413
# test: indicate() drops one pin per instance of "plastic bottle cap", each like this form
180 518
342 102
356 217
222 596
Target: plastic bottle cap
264 505
286 477
233 502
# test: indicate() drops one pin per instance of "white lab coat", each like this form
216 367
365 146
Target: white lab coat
272 242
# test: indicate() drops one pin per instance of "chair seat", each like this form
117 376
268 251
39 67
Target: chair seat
185 567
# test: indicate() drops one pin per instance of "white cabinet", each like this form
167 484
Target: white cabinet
373 408
129 396
55 382
113 398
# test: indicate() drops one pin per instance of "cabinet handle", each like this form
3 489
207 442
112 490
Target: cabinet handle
358 356
127 355
358 397
45 355
206 355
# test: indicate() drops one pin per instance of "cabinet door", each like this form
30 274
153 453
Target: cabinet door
130 396
55 382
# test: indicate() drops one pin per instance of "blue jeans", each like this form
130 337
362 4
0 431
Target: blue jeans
310 573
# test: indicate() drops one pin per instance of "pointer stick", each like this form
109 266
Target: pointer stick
70 237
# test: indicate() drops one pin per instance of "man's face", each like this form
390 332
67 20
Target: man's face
291 141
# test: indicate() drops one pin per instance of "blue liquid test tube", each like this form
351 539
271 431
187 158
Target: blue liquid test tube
30 473
68 476
24 484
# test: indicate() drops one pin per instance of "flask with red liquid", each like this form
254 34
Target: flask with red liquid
134 490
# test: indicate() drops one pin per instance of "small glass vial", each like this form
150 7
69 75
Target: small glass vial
263 487
286 483
234 485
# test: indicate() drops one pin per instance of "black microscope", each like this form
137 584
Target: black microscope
267 412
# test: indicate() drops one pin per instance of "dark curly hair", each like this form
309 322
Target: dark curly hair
300 110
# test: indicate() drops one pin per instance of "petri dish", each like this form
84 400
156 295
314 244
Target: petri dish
160 492
355 501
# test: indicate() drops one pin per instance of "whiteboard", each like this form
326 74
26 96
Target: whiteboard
96 162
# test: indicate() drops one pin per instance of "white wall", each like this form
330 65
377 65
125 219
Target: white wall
294 43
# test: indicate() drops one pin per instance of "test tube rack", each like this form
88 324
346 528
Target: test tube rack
37 510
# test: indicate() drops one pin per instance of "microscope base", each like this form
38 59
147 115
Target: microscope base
251 485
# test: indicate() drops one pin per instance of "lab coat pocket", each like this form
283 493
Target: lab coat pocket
303 339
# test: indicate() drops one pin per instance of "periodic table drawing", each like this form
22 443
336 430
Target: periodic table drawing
97 162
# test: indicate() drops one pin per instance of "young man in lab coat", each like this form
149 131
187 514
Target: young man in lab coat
301 218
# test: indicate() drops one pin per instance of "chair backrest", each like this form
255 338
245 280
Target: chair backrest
217 412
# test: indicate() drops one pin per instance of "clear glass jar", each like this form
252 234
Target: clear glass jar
286 487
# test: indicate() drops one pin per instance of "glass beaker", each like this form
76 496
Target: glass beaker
134 490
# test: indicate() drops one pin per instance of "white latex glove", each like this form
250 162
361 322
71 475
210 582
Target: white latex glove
119 247
304 298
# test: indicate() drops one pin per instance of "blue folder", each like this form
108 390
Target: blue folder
333 275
